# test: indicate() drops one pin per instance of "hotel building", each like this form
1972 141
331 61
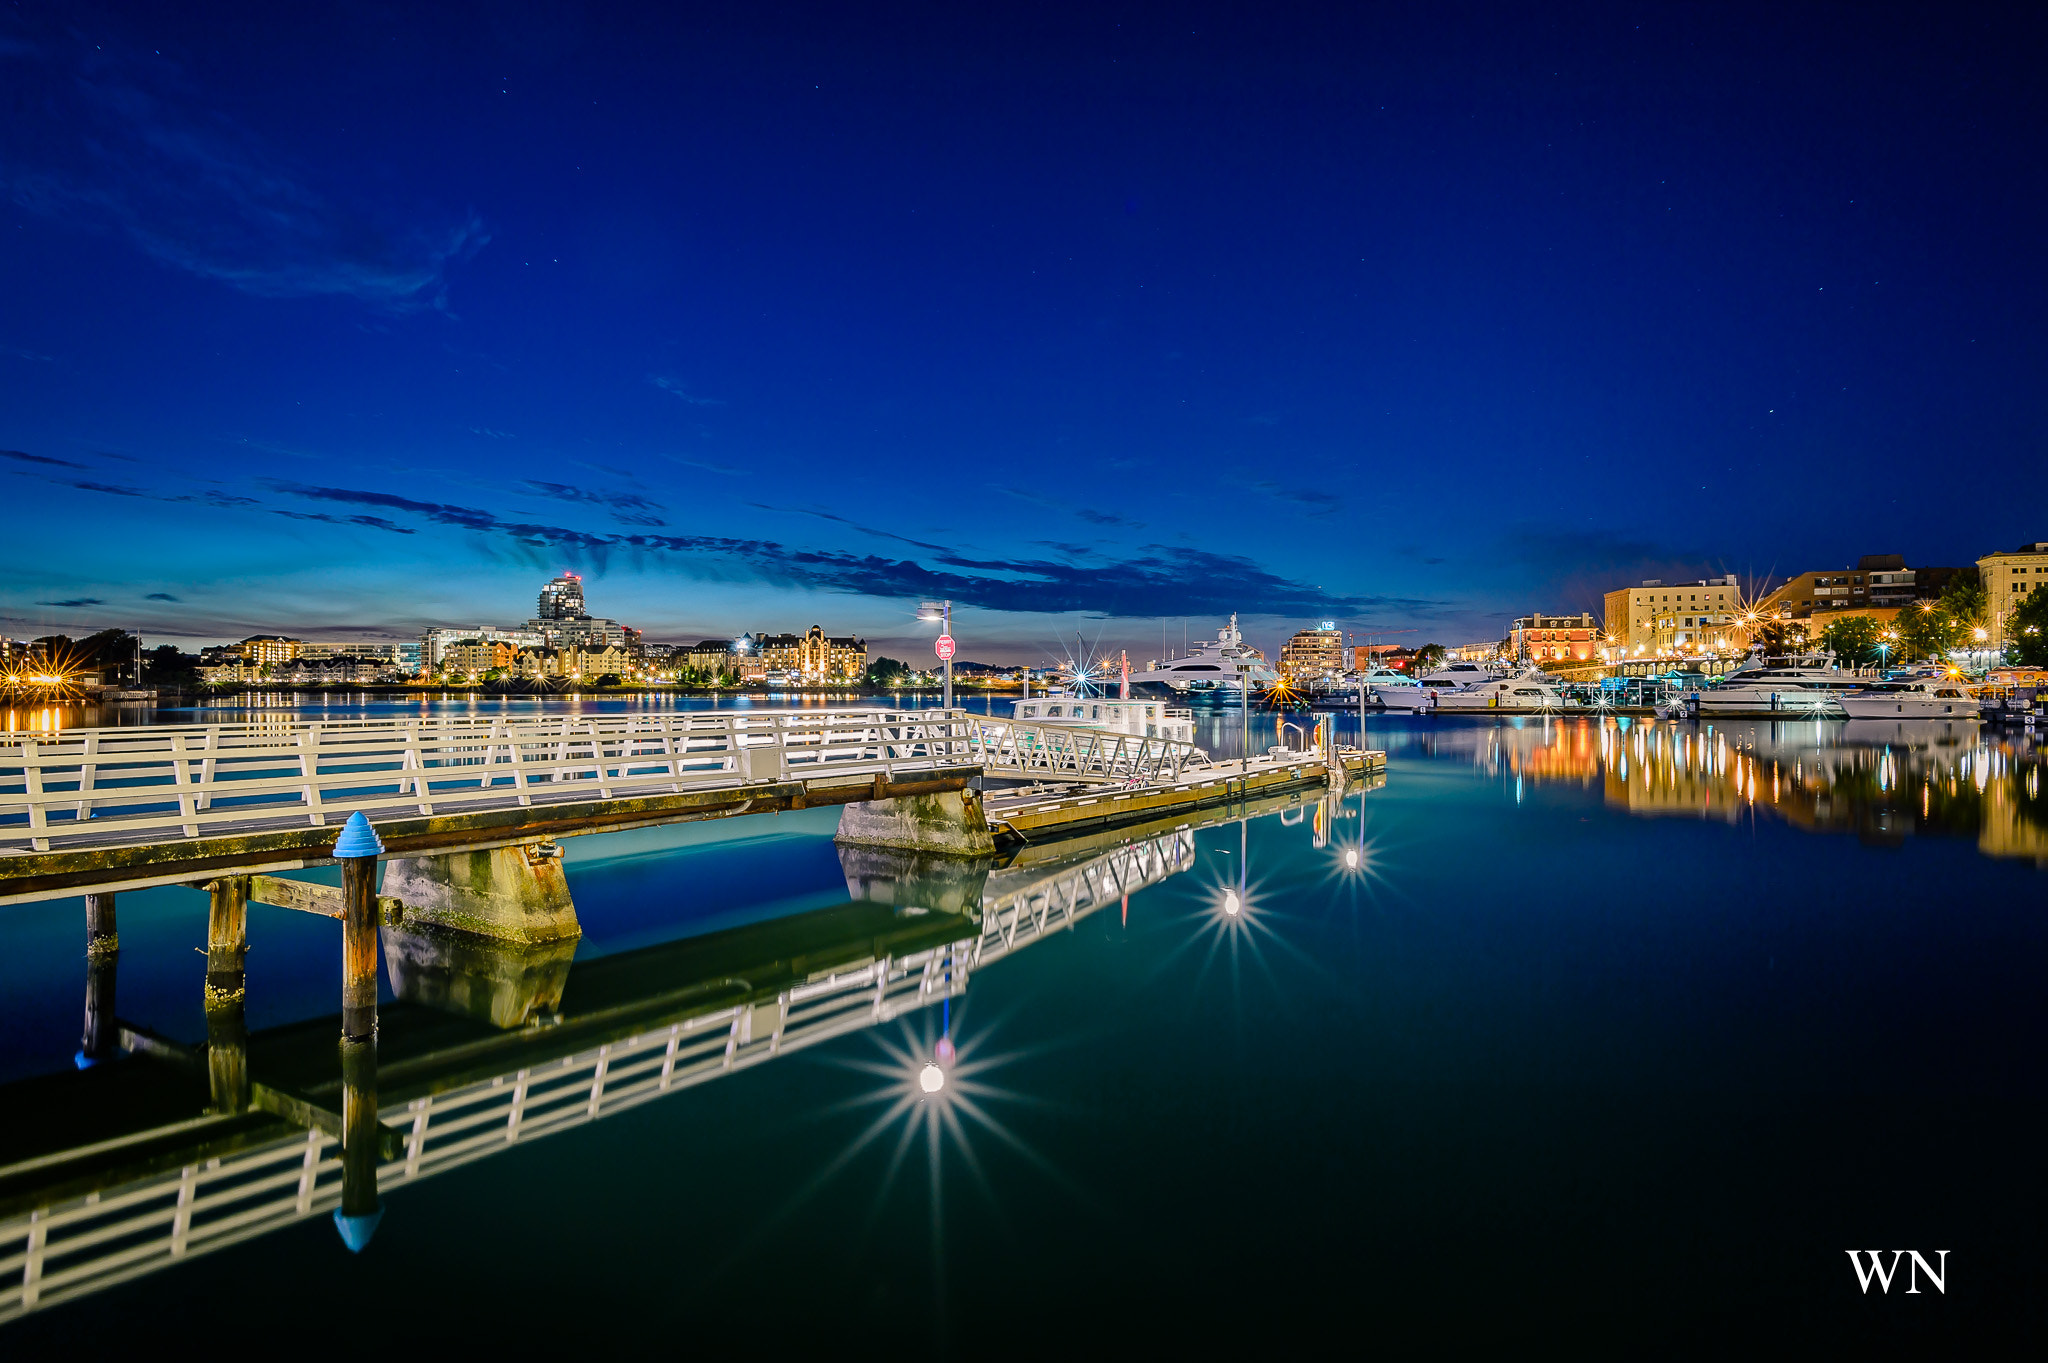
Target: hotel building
2008 577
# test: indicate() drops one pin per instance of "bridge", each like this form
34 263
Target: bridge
203 1147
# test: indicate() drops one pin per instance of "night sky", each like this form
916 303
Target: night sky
343 320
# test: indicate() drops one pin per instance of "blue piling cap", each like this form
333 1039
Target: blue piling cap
357 1230
358 839
83 1061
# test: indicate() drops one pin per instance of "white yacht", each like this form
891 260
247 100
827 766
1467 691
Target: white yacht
1391 690
1225 661
1461 674
1528 694
1139 718
1925 698
1791 692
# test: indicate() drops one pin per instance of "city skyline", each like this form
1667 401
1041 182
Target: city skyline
747 320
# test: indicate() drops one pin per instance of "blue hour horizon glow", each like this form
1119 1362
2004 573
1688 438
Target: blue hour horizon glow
348 325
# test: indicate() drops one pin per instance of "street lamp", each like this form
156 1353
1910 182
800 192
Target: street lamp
942 611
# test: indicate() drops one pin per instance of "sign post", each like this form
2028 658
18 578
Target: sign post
943 646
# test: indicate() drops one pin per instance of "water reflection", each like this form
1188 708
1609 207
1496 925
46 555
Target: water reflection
1882 781
153 1152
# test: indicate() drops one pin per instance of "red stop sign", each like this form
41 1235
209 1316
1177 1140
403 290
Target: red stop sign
944 647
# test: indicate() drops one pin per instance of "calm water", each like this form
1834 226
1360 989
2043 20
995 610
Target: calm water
1617 1034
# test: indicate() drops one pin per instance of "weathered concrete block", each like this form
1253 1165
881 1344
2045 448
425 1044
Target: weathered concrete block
951 823
506 984
513 894
915 880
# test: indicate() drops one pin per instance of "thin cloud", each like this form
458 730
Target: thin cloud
851 525
125 149
159 596
75 602
677 388
564 492
1094 517
23 457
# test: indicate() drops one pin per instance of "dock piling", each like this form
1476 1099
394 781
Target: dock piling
101 937
357 849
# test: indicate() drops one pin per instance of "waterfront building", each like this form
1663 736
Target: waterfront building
1877 582
474 657
403 656
584 662
1660 619
1484 651
1553 638
435 643
2008 576
812 656
1312 653
269 648
1393 657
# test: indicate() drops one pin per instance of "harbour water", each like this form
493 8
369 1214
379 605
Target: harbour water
1616 1032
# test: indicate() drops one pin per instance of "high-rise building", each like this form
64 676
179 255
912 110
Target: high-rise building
562 599
1317 652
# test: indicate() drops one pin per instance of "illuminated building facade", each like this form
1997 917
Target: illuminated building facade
1660 619
1317 652
1553 638
2008 577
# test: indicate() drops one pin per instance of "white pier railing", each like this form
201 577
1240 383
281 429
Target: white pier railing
1057 752
98 787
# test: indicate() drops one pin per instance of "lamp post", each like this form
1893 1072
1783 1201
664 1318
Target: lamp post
942 611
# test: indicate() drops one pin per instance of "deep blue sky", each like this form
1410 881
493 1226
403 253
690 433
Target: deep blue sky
348 319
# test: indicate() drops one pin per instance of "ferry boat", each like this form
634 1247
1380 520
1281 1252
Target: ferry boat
1223 667
1928 698
1140 718
1529 694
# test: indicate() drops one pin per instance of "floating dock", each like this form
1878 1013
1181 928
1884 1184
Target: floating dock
1042 813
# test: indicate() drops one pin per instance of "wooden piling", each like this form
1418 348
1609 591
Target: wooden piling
101 1039
359 948
101 938
361 1136
227 939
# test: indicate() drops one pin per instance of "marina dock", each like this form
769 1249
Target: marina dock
1040 813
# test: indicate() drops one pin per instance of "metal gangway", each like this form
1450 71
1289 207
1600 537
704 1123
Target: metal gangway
1054 752
87 1243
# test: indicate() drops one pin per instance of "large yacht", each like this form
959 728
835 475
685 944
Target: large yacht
1461 674
1925 698
1793 692
1225 662
1529 694
1139 718
1391 690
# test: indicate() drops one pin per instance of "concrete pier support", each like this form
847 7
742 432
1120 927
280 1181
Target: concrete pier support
507 984
951 823
510 894
915 880
101 937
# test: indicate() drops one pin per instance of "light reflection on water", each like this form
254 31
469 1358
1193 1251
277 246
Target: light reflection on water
1883 781
1427 1024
